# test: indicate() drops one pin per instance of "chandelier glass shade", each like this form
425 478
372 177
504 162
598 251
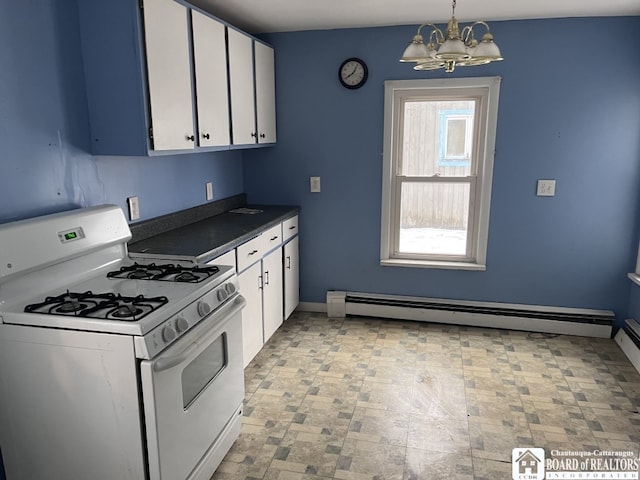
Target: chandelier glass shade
454 48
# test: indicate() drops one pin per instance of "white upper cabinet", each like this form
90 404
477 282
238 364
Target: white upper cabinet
169 74
157 80
210 68
265 93
243 114
252 69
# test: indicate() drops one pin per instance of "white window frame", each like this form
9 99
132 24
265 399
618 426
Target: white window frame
635 276
486 90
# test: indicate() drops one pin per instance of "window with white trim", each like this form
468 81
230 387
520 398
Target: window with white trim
439 143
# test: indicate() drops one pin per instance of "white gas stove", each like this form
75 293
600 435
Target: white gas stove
147 355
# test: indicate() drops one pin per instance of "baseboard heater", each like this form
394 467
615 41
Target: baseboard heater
628 338
533 318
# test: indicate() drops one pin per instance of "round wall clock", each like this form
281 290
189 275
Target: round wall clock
353 73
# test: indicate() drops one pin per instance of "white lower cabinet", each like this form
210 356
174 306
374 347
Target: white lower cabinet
272 307
291 276
261 285
250 282
268 279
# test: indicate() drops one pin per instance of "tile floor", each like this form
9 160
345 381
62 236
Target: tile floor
362 398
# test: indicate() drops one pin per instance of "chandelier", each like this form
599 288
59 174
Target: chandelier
453 48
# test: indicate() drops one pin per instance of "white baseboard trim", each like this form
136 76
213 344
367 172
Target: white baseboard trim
629 348
311 307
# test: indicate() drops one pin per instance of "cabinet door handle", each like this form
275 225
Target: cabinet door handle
262 135
206 135
254 134
191 138
288 263
266 277
260 284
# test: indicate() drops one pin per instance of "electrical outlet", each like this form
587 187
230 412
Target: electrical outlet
134 208
314 184
209 191
546 188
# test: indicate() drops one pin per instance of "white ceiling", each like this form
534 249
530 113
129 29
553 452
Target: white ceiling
260 16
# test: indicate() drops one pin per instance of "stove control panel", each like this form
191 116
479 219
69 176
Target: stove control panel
179 324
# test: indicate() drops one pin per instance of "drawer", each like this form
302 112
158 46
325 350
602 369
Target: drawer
290 228
228 258
249 252
272 237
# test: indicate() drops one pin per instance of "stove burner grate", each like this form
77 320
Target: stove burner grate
107 306
165 272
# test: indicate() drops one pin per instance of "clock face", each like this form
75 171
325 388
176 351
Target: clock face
353 73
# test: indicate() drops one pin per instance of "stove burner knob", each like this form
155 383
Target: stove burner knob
203 309
181 324
168 333
222 294
230 288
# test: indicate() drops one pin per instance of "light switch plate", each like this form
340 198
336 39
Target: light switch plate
546 188
314 184
134 208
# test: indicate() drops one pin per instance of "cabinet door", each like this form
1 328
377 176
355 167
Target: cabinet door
169 74
272 292
243 115
210 65
250 282
291 277
265 93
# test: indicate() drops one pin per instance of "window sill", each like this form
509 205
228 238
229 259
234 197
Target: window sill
634 277
395 262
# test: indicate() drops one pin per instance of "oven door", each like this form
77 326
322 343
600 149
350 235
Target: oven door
191 391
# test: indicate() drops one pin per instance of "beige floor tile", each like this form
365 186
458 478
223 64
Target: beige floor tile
369 460
430 465
373 399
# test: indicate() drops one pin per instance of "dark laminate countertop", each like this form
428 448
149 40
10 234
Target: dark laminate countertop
211 237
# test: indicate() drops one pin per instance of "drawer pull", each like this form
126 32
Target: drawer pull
253 253
273 238
292 227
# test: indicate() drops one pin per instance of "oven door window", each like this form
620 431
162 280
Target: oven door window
203 370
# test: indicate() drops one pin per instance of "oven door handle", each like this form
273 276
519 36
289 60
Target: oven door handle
174 360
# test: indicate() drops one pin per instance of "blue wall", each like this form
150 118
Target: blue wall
567 111
44 132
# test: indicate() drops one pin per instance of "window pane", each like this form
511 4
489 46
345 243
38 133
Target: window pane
434 218
203 369
425 137
456 137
